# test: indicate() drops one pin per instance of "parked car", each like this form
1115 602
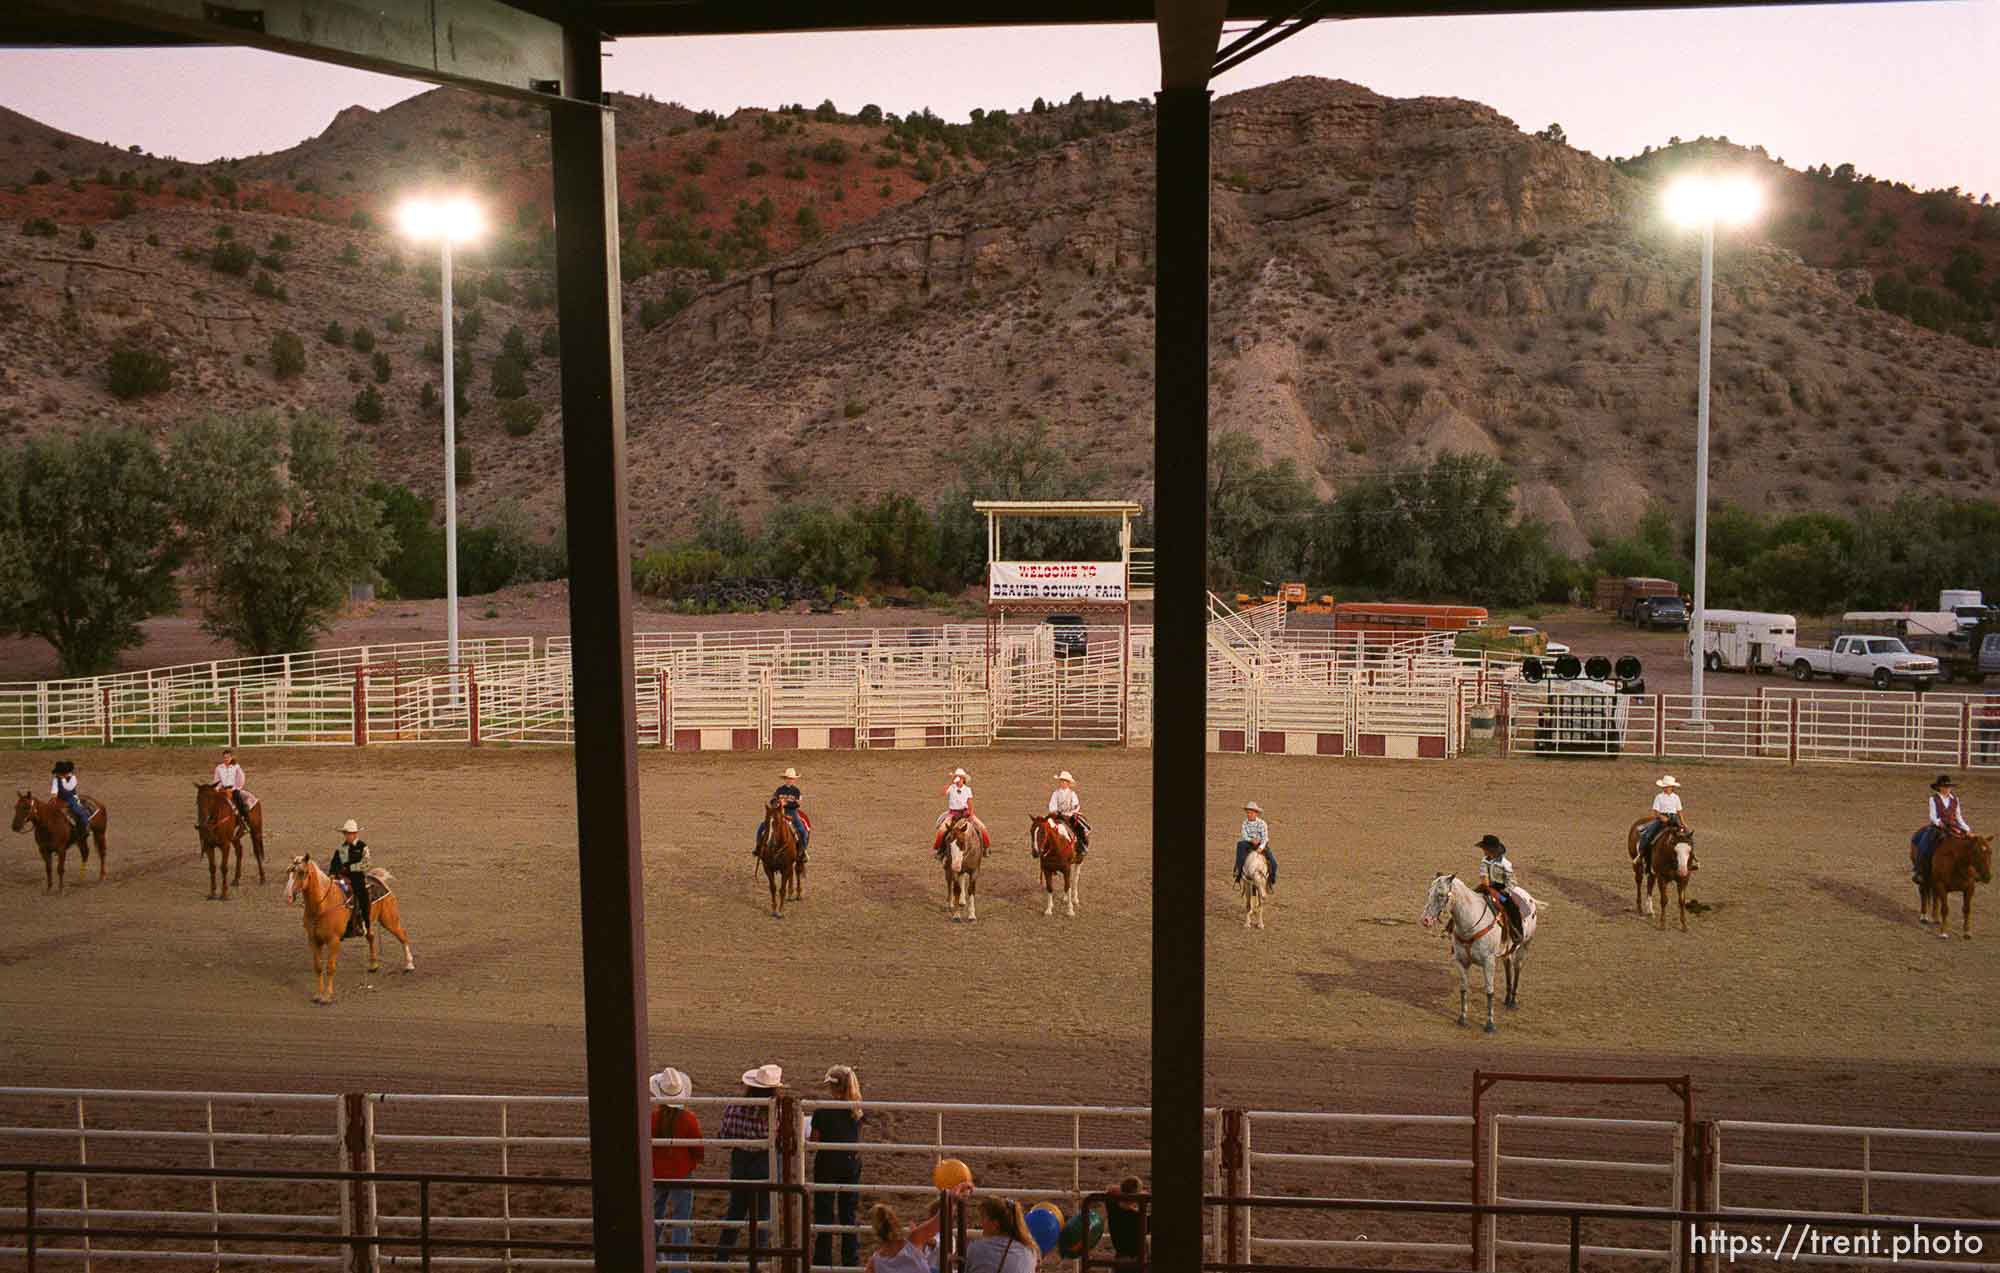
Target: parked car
1882 661
1661 612
1071 641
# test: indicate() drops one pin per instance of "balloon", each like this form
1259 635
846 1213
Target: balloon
950 1173
1084 1231
1049 1207
1044 1227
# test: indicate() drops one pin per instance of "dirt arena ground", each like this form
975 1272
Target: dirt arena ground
1805 990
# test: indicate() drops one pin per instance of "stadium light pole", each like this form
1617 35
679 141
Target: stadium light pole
448 222
1698 203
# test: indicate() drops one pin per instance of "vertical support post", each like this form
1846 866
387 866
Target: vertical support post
1864 1174
424 1222
1794 748
83 1160
1180 655
235 715
1660 725
104 714
1235 1183
666 708
1478 1163
589 312
360 707
357 1201
790 1149
1697 622
215 1186
29 1184
1964 732
471 707
450 462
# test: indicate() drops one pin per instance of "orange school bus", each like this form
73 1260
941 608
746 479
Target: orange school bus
1382 621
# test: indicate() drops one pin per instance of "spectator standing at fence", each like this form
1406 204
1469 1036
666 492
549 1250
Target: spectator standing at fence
1123 1219
894 1251
673 1163
749 1120
837 1125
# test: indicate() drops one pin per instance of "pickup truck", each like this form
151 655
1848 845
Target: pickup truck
1883 661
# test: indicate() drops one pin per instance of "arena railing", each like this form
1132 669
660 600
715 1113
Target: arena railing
1873 1161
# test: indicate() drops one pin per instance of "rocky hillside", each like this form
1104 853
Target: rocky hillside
828 307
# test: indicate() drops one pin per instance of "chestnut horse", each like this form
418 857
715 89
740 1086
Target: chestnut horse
964 850
779 855
1054 845
220 828
1670 857
55 831
1958 863
328 919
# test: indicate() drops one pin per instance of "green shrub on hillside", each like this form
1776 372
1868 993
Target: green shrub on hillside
135 373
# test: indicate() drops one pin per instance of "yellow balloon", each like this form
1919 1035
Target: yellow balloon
950 1173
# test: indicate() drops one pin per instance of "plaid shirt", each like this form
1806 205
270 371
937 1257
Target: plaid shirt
745 1122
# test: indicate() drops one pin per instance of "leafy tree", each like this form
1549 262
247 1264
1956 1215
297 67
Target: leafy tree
363 340
414 566
1257 528
815 543
380 365
368 405
134 373
1554 133
277 546
87 544
288 354
870 114
519 417
515 345
1021 462
1649 550
509 380
231 257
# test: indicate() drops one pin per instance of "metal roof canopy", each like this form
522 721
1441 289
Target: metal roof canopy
1058 507
551 50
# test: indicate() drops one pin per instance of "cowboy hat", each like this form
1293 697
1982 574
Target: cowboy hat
1251 806
1943 780
64 767
669 1085
1065 776
790 773
351 827
960 773
1667 781
764 1076
1490 842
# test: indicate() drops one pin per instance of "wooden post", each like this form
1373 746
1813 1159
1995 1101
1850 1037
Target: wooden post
360 707
1964 733
235 706
793 1232
1659 726
357 1198
1794 748
472 707
104 720
1235 1137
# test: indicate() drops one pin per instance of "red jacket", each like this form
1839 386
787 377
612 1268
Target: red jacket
676 1162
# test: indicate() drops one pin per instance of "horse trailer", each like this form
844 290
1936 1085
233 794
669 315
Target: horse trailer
1745 640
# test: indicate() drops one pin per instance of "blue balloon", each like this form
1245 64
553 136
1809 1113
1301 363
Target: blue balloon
1045 1228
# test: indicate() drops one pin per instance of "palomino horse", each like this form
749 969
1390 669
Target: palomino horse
55 831
221 828
1958 863
779 856
1256 887
1671 856
1478 933
328 919
963 852
1054 844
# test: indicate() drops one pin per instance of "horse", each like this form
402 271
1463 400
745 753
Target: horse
779 856
1256 887
1054 846
329 921
1957 864
55 831
220 828
1671 855
963 852
1474 913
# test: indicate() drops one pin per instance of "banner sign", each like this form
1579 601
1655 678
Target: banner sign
1056 581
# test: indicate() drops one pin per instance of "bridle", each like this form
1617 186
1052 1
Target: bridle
1451 917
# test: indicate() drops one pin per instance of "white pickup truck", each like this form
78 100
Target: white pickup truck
1883 661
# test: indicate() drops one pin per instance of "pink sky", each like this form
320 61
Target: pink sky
1903 91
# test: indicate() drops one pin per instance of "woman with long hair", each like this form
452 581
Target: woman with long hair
894 1251
1004 1244
834 1126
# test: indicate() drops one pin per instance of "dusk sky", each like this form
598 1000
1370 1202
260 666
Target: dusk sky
1903 91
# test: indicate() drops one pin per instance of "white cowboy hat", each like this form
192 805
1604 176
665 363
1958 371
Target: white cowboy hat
1667 781
351 826
960 773
793 774
1252 806
1064 776
669 1085
765 1076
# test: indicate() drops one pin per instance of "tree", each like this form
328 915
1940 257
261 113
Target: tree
288 354
509 381
133 373
1257 512
871 114
414 567
1554 133
95 512
1021 462
277 546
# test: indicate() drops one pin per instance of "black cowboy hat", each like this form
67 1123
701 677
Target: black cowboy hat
64 767
1490 842
1943 780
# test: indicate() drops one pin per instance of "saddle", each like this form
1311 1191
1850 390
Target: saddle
377 890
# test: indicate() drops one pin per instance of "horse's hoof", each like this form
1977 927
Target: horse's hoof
1491 1028
1510 1005
1463 1022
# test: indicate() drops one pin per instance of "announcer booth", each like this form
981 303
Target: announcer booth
1059 633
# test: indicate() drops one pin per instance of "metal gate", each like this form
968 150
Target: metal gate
1535 1158
1072 691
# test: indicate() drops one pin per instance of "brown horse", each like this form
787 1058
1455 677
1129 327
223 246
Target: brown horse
1958 863
329 921
55 831
1671 857
964 850
779 856
221 828
1054 846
